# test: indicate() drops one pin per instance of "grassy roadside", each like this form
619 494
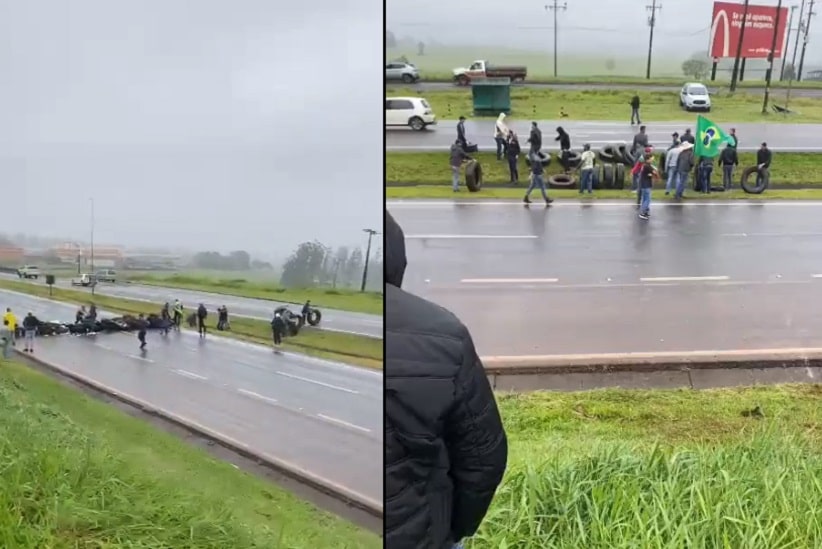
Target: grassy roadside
352 349
603 104
432 168
346 300
79 473
619 469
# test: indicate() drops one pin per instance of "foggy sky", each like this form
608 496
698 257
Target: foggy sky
205 123
587 26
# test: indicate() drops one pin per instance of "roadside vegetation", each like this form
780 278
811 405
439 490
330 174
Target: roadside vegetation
79 473
620 469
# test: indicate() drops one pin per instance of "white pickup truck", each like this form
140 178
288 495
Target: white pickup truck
29 271
84 280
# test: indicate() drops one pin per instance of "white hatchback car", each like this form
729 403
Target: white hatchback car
414 112
695 97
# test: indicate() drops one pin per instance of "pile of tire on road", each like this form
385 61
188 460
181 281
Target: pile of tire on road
126 323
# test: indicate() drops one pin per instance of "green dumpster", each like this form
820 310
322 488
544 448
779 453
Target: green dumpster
491 96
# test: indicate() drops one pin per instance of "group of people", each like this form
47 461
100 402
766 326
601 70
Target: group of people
8 333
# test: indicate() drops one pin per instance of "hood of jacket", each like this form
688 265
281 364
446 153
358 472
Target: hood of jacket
395 260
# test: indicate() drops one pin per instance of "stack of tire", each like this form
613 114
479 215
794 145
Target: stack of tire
615 160
560 180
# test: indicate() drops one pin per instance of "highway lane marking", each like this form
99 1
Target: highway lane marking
343 423
508 280
258 396
323 384
816 276
684 278
192 375
438 204
142 358
469 236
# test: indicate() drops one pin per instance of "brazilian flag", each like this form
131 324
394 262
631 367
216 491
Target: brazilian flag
709 138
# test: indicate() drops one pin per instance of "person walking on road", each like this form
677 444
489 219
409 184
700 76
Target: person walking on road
277 329
638 146
500 135
672 175
29 331
306 311
461 133
6 339
512 152
202 314
537 182
535 138
586 169
763 164
178 314
141 331
458 156
635 110
728 160
684 165
647 174
12 323
445 445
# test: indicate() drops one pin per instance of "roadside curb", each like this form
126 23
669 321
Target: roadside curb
524 185
695 370
338 492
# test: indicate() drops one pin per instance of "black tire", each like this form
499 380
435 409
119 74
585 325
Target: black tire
625 155
407 78
314 317
574 160
753 188
416 124
561 181
473 176
293 329
463 80
608 153
608 175
619 177
545 159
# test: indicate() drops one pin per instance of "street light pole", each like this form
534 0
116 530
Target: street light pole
787 45
371 233
93 282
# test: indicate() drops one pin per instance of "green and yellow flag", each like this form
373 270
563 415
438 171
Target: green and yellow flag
709 138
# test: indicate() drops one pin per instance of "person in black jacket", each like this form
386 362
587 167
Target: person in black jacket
512 152
461 133
635 110
445 446
729 160
535 137
201 318
30 324
564 147
763 163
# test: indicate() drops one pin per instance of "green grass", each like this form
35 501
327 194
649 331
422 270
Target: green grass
349 348
79 473
346 300
600 104
622 469
432 168
437 64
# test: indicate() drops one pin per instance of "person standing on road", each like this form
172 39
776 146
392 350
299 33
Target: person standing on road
647 174
537 182
706 168
141 331
684 165
763 164
535 137
513 151
672 175
12 323
728 160
6 338
688 137
445 445
178 314
461 133
306 311
458 156
638 146
277 329
202 314
29 330
586 169
635 110
564 147
500 135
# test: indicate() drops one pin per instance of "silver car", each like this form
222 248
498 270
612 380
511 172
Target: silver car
399 71
695 97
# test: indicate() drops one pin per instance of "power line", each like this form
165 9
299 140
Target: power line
653 8
811 13
555 8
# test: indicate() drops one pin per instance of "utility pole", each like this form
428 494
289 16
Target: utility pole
371 233
799 30
555 8
653 8
93 282
785 53
811 13
770 58
735 75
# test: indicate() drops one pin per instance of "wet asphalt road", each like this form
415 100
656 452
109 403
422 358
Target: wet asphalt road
325 417
260 309
594 279
780 137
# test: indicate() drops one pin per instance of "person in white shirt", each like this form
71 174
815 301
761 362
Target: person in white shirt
586 169
501 135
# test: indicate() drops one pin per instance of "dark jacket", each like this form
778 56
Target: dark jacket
461 133
513 150
564 139
763 156
201 312
30 322
639 144
445 447
728 157
535 138
458 156
688 137
635 102
646 176
685 162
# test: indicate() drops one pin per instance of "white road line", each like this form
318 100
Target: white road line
314 381
469 236
258 396
343 423
683 278
816 276
142 358
437 204
191 375
508 280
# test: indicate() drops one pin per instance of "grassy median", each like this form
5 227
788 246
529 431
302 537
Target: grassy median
80 473
621 469
331 298
602 104
352 349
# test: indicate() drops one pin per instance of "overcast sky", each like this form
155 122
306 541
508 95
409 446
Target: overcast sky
587 26
248 124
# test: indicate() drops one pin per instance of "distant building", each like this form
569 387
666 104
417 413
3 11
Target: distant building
11 256
105 257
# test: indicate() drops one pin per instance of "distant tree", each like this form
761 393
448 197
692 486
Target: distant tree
695 67
375 278
261 265
421 48
610 64
352 273
235 261
390 39
239 260
304 269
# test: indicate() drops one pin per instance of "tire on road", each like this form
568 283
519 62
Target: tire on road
753 188
473 176
625 155
545 158
561 181
314 317
608 175
608 153
574 159
619 177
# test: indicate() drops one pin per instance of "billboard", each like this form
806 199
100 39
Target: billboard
759 28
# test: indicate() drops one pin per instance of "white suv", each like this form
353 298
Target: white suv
695 97
414 112
29 271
